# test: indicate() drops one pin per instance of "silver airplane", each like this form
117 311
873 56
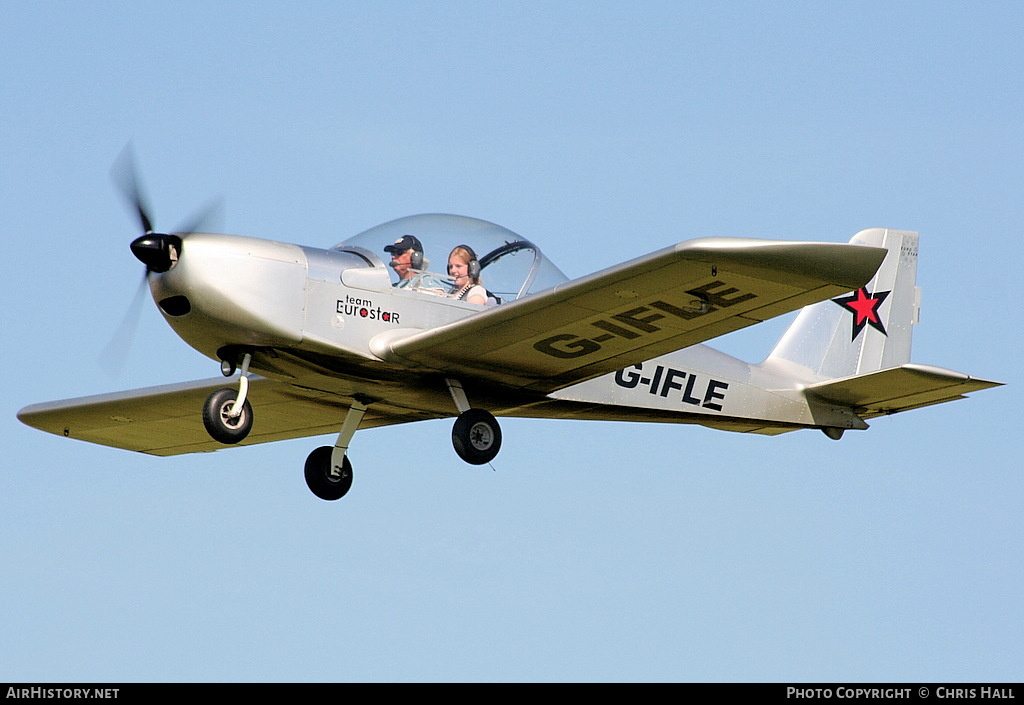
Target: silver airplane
340 339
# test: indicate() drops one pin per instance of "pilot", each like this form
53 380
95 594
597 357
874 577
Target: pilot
406 258
464 268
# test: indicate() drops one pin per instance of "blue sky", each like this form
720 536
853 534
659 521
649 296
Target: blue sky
594 551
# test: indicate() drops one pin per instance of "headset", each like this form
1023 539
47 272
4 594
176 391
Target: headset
473 264
416 259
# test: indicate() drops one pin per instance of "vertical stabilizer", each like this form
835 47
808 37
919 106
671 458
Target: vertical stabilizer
869 329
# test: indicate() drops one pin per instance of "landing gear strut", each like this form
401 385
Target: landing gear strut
328 469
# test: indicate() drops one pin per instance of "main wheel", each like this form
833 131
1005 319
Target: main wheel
216 417
476 436
319 478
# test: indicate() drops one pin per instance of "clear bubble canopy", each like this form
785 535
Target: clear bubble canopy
510 265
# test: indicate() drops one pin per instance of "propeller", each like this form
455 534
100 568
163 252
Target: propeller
155 250
158 251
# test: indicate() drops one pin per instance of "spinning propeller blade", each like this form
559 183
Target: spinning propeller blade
158 251
125 175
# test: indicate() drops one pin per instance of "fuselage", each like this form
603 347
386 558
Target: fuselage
322 318
228 293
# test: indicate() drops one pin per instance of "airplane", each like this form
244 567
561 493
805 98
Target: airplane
332 340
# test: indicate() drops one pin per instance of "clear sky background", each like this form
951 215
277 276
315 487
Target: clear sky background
594 551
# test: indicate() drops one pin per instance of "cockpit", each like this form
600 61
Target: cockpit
510 266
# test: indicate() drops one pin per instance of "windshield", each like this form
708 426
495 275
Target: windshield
510 266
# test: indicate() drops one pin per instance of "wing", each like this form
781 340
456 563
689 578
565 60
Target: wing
898 389
668 300
167 420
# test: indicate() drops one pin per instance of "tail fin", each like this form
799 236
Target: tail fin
868 330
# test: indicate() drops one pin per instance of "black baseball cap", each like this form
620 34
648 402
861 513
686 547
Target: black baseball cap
406 242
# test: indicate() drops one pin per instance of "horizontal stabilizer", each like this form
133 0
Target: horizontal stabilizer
897 389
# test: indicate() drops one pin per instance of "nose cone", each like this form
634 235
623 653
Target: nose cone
157 251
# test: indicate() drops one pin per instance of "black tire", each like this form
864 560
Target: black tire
219 425
319 478
476 436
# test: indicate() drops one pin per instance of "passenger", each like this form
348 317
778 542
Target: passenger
406 258
464 268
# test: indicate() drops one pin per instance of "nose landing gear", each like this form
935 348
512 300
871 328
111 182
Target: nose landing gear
219 421
227 415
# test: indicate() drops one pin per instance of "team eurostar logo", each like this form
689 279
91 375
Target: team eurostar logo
864 307
364 308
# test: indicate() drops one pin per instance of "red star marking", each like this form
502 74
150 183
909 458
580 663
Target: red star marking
864 307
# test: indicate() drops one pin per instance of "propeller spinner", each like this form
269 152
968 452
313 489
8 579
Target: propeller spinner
158 251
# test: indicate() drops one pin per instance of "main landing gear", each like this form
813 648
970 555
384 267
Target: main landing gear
328 470
476 435
228 417
476 438
323 478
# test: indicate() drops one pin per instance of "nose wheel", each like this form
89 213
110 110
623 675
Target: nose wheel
476 436
227 414
223 422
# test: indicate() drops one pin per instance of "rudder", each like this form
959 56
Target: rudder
869 329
